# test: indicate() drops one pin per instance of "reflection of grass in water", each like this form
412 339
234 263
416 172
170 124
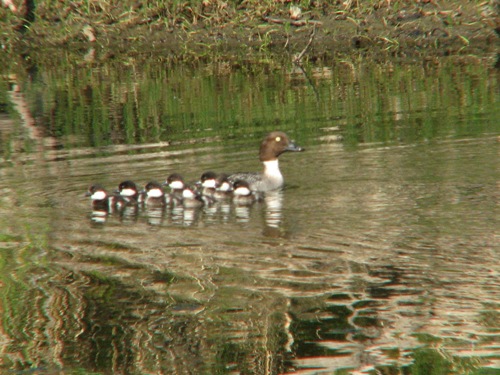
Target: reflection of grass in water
150 104
23 291
427 338
124 264
434 361
233 309
490 316
109 260
439 361
434 358
108 245
102 110
430 362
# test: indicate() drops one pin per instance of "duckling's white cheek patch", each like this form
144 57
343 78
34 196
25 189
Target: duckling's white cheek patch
209 184
242 191
127 192
155 193
225 187
278 139
176 185
98 196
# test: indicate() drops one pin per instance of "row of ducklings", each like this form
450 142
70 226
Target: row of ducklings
174 191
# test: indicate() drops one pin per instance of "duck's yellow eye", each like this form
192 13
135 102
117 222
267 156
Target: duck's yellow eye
278 139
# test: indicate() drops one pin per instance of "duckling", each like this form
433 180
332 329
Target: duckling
242 194
154 195
102 201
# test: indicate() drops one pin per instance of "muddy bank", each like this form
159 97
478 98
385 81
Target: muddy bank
256 30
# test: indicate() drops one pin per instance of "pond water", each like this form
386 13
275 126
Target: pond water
380 255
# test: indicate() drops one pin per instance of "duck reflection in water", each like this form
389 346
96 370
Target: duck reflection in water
210 213
274 202
190 216
155 215
98 216
242 214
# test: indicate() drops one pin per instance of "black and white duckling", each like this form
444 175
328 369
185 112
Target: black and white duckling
192 198
223 188
102 201
242 194
176 184
154 196
208 184
128 190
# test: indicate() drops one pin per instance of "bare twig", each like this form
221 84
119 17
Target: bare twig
301 55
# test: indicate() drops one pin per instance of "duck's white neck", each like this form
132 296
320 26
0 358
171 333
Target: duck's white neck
272 170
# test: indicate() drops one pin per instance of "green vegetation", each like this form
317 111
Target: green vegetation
198 29
158 103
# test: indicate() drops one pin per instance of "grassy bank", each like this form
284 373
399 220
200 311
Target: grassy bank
193 29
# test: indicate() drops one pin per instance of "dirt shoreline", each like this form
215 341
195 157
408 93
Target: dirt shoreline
410 30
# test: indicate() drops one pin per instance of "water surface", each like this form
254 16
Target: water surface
379 256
